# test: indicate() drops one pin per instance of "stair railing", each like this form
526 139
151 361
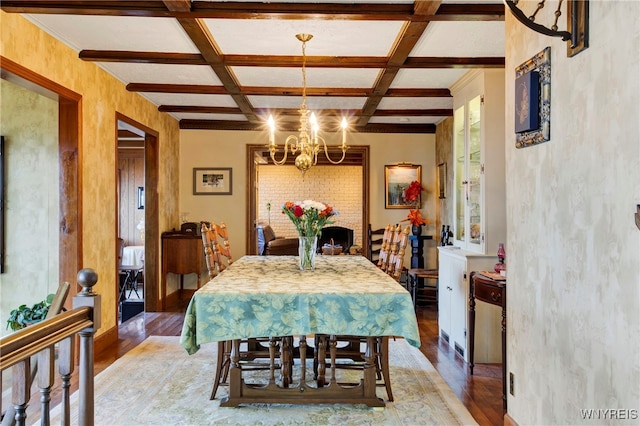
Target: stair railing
40 339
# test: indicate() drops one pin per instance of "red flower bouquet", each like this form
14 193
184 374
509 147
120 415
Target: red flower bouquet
309 217
412 196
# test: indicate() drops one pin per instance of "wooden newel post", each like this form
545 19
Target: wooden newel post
87 278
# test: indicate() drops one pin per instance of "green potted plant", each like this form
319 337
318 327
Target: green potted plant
23 315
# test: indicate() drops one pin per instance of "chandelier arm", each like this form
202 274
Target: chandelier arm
326 153
290 141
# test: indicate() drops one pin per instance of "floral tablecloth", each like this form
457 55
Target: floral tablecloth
263 296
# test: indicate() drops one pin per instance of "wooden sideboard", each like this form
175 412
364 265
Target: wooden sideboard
494 292
182 253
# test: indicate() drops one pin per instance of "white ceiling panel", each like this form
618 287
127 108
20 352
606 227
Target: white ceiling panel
465 39
413 103
427 78
139 49
162 73
277 37
316 77
117 33
201 116
191 99
313 102
406 120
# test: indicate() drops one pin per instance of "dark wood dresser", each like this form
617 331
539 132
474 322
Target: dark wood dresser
182 253
489 288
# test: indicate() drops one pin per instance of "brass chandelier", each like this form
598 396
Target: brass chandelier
308 142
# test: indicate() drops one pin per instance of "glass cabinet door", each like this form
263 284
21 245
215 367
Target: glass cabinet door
459 173
468 173
474 175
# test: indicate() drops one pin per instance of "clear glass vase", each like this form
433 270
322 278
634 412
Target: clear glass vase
307 247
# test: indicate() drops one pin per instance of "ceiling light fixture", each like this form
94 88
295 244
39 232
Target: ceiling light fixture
307 142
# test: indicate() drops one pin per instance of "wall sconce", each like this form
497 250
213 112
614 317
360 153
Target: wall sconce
577 33
141 198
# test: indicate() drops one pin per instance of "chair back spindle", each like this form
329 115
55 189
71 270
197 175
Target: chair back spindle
387 239
208 236
396 260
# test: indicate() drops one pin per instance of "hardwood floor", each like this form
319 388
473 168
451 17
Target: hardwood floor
480 393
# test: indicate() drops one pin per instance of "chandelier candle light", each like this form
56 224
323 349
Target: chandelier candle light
307 142
309 217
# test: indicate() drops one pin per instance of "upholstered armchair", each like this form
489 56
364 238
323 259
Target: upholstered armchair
277 246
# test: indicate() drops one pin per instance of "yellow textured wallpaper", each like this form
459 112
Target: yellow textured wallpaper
102 96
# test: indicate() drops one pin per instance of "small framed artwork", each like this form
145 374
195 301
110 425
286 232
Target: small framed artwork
442 180
533 100
212 181
396 179
526 112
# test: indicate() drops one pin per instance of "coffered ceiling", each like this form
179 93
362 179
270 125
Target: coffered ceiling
387 66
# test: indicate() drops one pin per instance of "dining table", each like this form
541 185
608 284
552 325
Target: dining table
133 255
269 296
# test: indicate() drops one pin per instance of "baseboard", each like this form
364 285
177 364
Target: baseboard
174 298
509 421
105 340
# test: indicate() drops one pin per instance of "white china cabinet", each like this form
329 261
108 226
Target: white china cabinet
478 161
455 267
479 221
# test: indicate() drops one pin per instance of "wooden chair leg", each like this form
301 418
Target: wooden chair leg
222 368
383 354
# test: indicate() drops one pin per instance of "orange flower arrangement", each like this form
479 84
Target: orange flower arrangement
415 217
412 196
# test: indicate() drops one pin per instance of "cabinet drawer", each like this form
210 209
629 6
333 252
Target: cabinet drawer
488 293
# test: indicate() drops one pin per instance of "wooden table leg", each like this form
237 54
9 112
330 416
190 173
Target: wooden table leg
369 379
472 324
235 374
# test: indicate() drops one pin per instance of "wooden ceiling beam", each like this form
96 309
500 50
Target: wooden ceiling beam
142 57
288 61
250 10
199 109
294 112
198 32
293 127
177 88
409 36
285 91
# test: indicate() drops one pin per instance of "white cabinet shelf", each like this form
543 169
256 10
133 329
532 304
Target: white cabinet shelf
479 170
455 267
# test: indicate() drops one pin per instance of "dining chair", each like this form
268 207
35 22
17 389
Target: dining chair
396 255
208 236
387 239
217 252
375 242
222 247
423 285
392 252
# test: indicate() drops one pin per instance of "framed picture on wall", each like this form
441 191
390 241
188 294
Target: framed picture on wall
396 179
212 181
442 180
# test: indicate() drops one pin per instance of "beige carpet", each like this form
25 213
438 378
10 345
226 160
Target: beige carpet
157 383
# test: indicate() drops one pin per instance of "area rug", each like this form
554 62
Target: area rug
157 383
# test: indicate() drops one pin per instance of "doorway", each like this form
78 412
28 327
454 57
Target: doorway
69 232
137 212
357 155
